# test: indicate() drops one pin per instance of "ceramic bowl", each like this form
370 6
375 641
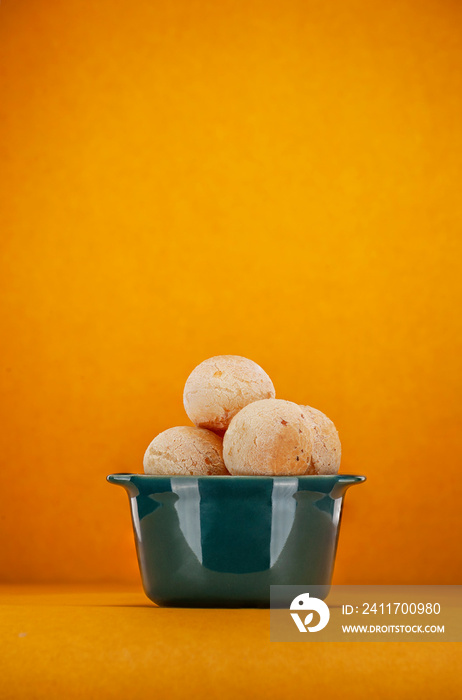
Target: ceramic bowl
222 541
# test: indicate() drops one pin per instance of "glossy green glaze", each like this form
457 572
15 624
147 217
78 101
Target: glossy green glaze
222 541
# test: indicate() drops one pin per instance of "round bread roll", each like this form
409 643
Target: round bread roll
271 437
220 387
327 450
185 450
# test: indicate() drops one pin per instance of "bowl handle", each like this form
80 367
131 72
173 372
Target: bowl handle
124 480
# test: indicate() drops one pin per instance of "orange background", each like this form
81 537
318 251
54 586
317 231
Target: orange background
279 180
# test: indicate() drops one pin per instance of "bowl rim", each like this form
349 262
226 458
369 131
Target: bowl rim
117 477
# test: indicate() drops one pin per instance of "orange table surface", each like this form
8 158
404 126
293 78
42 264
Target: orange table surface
63 642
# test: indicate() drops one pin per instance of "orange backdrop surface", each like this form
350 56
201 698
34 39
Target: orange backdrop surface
279 180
